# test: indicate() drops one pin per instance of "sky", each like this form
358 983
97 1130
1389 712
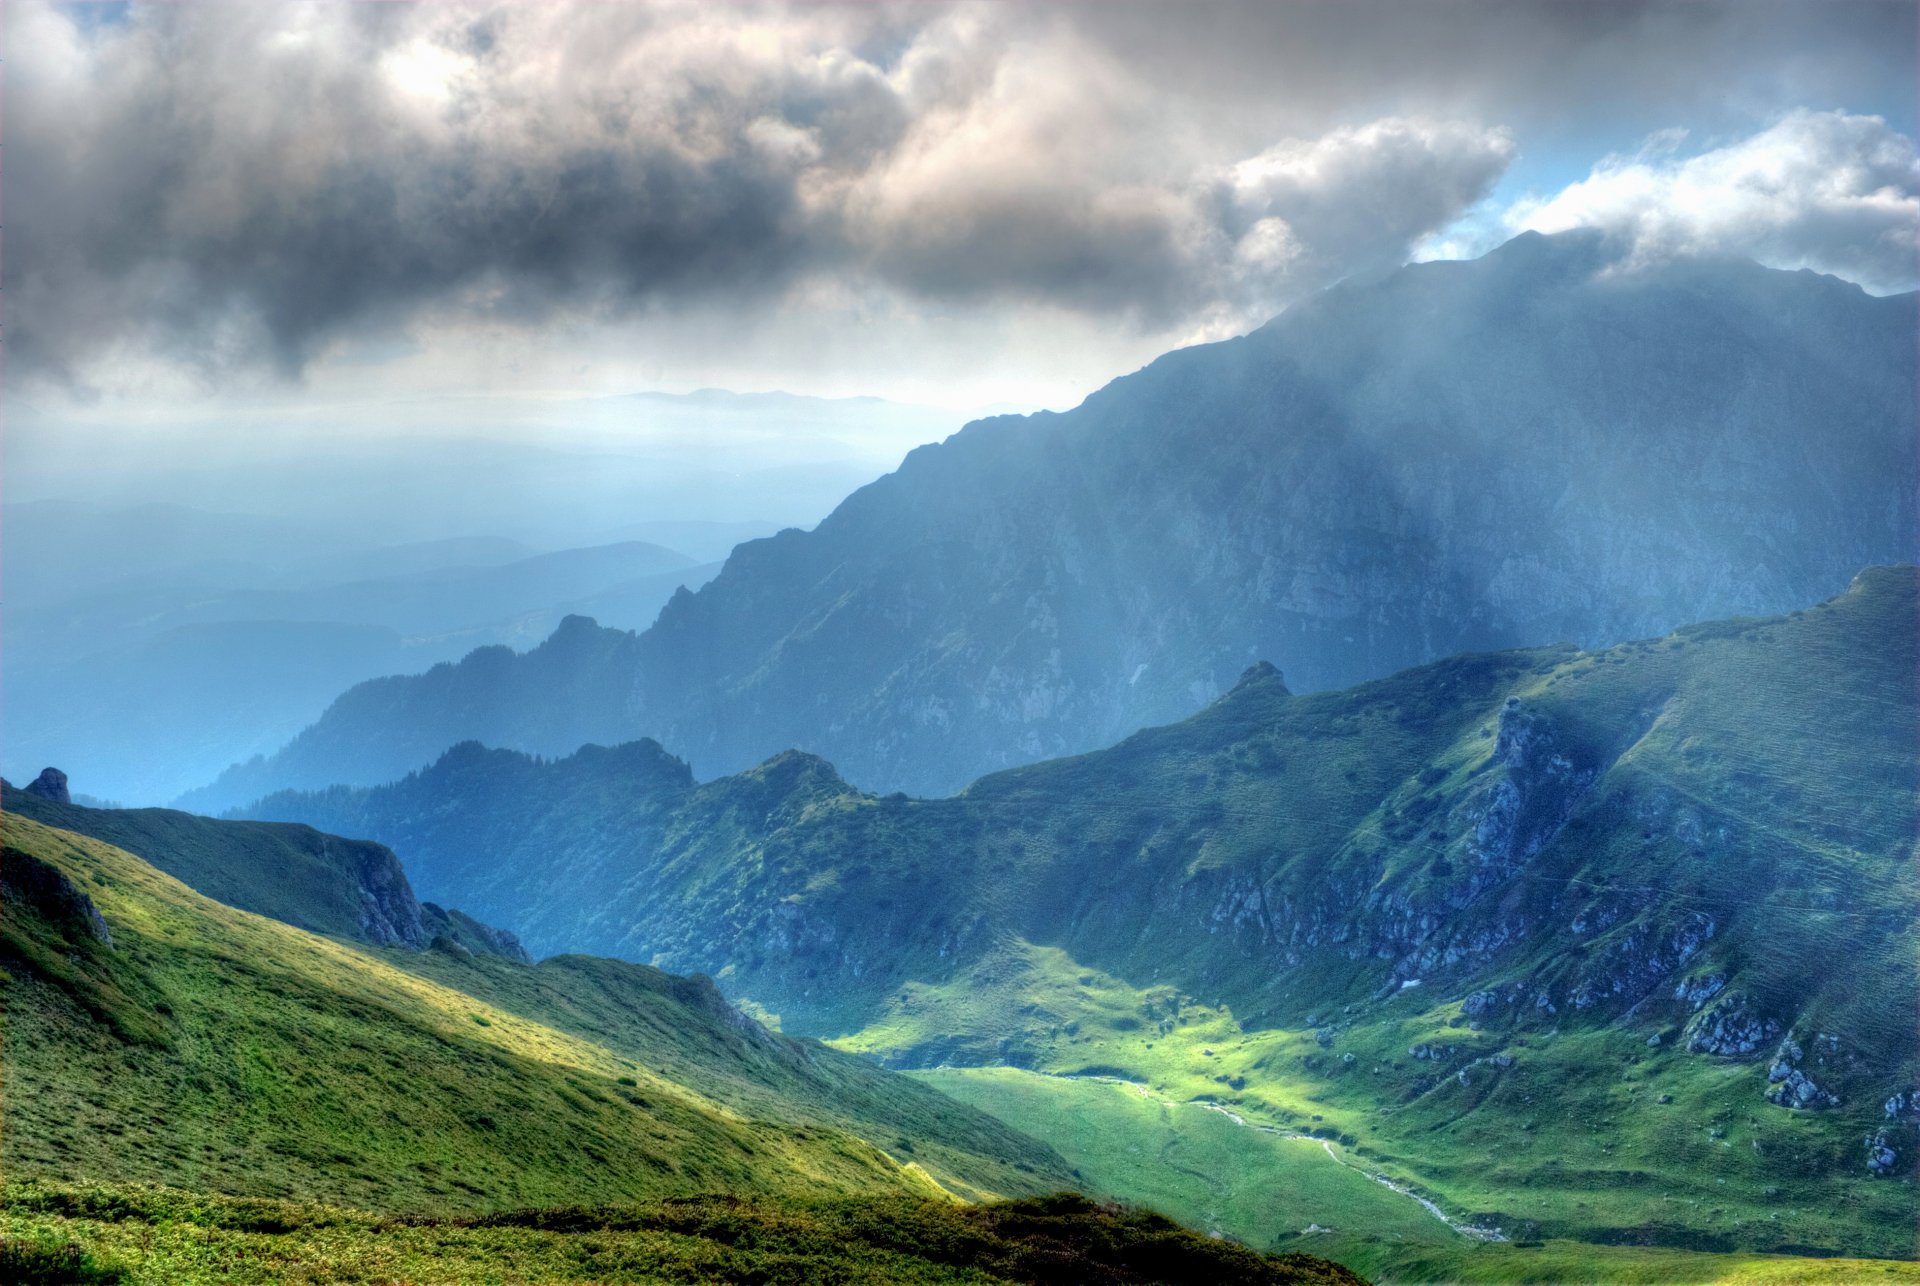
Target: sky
312 218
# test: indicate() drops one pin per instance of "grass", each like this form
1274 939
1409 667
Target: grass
213 1049
159 1237
1571 1142
291 873
1194 1163
1199 1167
1568 1263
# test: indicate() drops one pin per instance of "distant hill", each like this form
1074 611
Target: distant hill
153 686
1528 448
1493 903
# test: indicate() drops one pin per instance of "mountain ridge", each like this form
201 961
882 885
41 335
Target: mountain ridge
314 1069
289 872
1457 456
1499 856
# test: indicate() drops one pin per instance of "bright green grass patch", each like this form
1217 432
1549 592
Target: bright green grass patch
1569 1141
1196 1164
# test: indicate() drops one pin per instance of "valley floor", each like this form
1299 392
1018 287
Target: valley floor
1217 1171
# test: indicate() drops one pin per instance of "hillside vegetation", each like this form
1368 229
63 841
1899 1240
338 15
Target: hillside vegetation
1528 931
155 1036
154 1236
292 873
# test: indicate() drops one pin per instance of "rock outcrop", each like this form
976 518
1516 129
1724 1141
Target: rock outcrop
50 784
50 894
1730 1029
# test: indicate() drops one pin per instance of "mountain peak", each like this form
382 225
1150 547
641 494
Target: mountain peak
1263 674
50 784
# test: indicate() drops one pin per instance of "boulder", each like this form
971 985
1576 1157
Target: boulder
1882 1156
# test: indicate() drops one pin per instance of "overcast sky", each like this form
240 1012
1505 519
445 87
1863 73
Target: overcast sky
239 209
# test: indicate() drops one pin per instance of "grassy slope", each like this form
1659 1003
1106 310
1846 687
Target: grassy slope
290 873
164 1238
213 1049
1787 743
1195 1164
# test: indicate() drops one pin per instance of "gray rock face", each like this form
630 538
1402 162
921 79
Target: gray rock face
462 932
1883 1159
1540 790
51 894
1794 1088
1696 992
50 784
1730 1030
389 913
1461 456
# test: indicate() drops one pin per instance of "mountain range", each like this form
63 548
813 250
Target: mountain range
1538 446
217 1095
158 679
1486 918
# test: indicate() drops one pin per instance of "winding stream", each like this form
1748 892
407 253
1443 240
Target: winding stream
1473 1232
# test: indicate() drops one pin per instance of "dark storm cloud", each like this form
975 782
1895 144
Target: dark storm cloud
1636 63
221 187
226 184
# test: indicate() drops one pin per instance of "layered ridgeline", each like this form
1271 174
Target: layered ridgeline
344 888
1556 931
1519 450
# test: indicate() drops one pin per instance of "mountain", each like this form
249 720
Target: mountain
152 686
1487 919
154 1035
340 887
1533 447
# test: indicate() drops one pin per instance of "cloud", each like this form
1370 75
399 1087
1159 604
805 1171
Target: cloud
1822 190
232 188
243 193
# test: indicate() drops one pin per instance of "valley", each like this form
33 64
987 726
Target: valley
1485 925
960 643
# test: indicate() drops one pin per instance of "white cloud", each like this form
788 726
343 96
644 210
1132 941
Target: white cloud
1822 190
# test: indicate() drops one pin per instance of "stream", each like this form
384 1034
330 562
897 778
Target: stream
1473 1232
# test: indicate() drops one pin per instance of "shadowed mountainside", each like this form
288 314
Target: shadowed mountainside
1523 449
